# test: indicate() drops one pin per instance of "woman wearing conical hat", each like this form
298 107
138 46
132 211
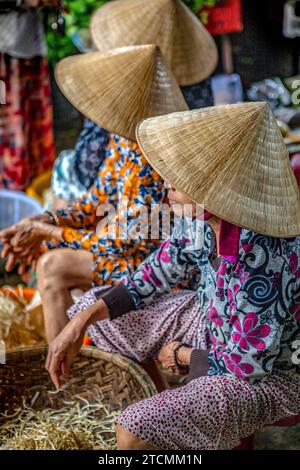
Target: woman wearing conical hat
115 89
189 49
245 372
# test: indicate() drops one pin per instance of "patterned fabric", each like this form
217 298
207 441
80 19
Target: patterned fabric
124 179
253 304
26 135
140 334
22 34
90 152
64 182
211 413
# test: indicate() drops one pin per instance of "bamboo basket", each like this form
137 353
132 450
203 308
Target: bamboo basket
119 379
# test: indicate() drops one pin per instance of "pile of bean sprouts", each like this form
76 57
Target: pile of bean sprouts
78 425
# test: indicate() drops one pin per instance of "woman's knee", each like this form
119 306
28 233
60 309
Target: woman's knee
128 441
50 270
64 268
125 439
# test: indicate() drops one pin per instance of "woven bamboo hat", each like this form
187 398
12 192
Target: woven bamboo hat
119 88
185 43
232 159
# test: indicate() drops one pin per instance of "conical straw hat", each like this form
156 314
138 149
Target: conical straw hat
232 159
119 88
185 43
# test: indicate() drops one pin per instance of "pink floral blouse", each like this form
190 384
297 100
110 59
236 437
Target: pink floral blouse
252 305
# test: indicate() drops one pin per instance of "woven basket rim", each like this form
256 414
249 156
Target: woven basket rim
124 362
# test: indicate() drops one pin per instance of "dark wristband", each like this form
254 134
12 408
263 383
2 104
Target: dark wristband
118 300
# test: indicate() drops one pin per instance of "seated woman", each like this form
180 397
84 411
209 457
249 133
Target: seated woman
236 164
126 181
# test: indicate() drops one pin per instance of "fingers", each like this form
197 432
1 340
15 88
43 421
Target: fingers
25 255
55 373
5 250
10 262
19 238
23 267
66 366
53 366
6 234
48 360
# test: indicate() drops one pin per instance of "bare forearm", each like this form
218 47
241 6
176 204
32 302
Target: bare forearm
96 312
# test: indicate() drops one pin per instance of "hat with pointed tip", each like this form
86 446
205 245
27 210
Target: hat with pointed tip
230 158
119 88
186 45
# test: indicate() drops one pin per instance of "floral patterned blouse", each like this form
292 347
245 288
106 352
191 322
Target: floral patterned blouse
252 305
124 177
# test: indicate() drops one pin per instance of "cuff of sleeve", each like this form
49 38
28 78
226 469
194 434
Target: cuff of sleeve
118 300
198 364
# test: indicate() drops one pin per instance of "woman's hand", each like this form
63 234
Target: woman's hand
26 258
166 357
22 241
7 234
30 231
64 348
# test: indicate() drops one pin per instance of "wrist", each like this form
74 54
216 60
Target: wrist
55 232
96 312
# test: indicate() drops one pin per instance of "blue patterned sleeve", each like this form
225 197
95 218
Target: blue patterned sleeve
172 262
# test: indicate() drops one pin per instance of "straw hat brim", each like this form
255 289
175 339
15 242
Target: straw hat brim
232 159
119 88
187 46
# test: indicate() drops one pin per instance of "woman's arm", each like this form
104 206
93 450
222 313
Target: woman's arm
171 263
137 189
164 269
83 212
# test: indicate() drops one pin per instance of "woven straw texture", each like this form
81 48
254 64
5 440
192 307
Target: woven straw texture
185 43
119 380
230 158
119 88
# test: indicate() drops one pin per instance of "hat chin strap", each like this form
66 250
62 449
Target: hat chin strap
229 239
